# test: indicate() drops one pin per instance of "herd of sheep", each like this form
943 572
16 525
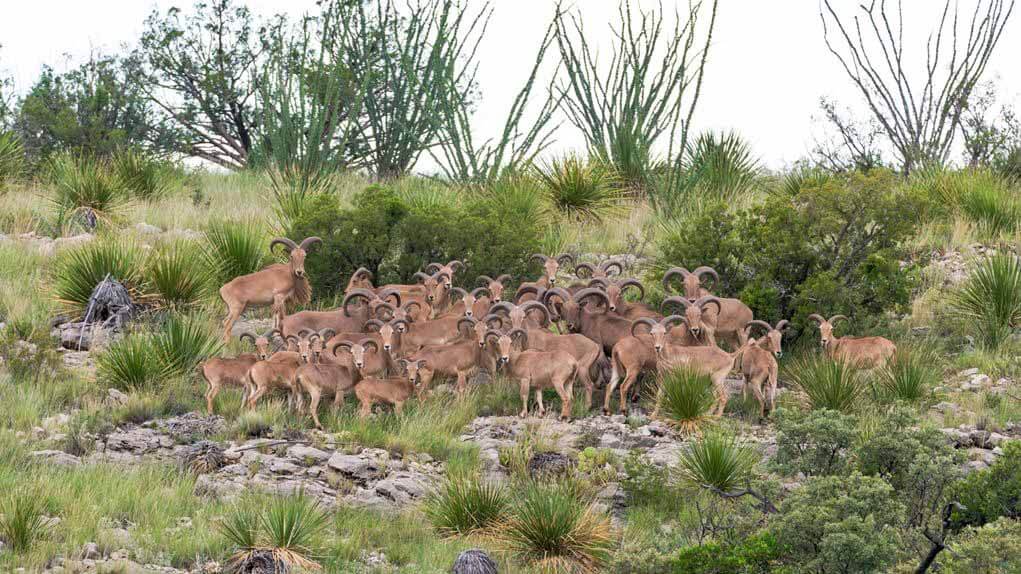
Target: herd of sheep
387 343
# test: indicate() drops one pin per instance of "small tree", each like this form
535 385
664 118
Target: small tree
919 117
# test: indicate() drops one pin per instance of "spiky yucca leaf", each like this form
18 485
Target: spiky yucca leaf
21 520
143 176
909 375
990 301
79 270
580 189
183 342
717 460
179 275
827 384
233 249
685 397
464 506
85 185
12 159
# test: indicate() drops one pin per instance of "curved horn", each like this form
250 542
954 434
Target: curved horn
537 305
642 321
493 317
634 283
372 323
556 292
433 267
669 321
542 258
395 322
477 290
291 338
758 323
407 306
305 332
458 291
309 241
525 289
345 345
522 333
580 296
492 333
471 323
387 293
586 266
455 265
274 333
323 333
502 306
672 272
366 343
420 277
836 318
682 301
247 335
700 271
503 278
356 294
817 318
385 307
606 265
484 280
362 272
783 324
701 302
282 241
565 257
599 282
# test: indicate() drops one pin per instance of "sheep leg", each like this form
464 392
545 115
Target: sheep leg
614 379
525 389
398 407
720 386
234 312
756 385
538 399
211 392
279 307
566 392
772 389
462 383
629 379
315 394
259 391
425 378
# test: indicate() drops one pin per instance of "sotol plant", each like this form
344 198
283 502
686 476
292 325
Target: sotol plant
464 506
685 397
718 461
280 536
827 384
232 249
990 301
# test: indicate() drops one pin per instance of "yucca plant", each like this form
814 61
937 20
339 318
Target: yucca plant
22 521
684 398
86 189
464 506
718 461
182 342
235 248
143 176
12 159
277 537
555 530
990 301
78 271
130 364
179 275
722 166
581 190
988 202
827 384
908 376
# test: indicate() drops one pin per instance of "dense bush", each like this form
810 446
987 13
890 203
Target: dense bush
840 524
993 492
994 547
827 243
757 554
814 443
395 239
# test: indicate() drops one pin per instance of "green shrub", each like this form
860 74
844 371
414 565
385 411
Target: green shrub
830 243
232 249
909 377
22 521
757 554
464 506
179 275
840 524
580 189
827 384
814 443
129 364
553 529
988 202
993 492
181 343
723 166
992 548
990 301
77 271
84 184
718 461
143 176
685 398
12 159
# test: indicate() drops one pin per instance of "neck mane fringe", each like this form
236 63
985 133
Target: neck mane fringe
302 292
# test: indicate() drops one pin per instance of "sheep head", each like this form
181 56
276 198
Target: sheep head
551 265
691 281
563 305
826 327
772 341
411 368
360 279
694 310
296 252
658 329
357 350
449 269
495 286
615 292
504 343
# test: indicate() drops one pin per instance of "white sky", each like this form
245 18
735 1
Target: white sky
768 64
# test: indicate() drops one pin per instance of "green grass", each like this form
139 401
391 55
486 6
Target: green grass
182 342
287 529
827 384
21 520
989 302
129 364
463 506
685 398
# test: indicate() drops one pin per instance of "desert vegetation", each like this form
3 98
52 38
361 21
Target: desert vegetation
240 332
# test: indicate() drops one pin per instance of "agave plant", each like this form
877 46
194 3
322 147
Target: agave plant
143 176
86 190
235 248
685 397
555 530
990 301
827 384
718 461
464 506
581 190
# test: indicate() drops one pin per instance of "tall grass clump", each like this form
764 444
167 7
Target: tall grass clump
277 537
129 364
989 302
12 159
553 529
717 461
581 190
86 189
142 176
22 522
827 384
179 275
685 397
235 248
182 342
908 376
722 166
990 203
467 505
77 272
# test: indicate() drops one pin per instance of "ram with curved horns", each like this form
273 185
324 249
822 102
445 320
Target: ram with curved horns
615 290
601 271
345 319
602 327
534 369
758 364
637 354
495 286
863 352
276 285
733 315
548 279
